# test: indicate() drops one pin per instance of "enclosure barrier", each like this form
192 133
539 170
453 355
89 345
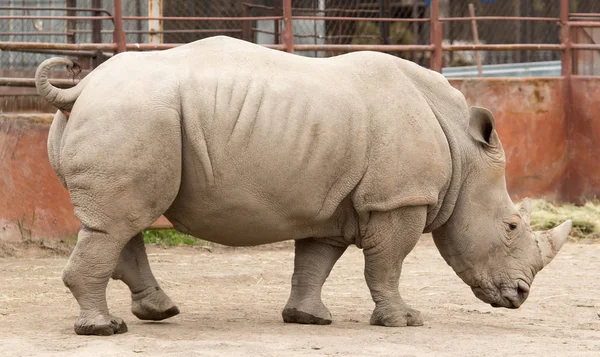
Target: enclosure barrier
285 39
533 106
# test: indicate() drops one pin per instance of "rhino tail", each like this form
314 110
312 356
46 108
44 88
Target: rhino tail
63 99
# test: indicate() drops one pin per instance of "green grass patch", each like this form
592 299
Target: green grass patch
170 238
586 218
546 215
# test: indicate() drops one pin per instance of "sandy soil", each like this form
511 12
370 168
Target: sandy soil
231 301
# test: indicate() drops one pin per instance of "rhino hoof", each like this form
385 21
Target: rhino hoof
396 317
153 304
96 326
148 313
300 317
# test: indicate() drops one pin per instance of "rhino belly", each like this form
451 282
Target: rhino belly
238 219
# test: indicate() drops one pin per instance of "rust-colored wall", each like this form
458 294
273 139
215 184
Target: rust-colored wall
29 190
584 140
545 156
531 124
30 193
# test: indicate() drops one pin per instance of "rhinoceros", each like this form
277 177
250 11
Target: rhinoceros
243 145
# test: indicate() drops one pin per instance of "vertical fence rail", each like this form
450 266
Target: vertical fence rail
475 39
565 39
288 31
566 72
436 36
155 26
118 34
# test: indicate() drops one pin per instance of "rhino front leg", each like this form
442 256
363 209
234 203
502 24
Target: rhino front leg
313 261
149 301
389 239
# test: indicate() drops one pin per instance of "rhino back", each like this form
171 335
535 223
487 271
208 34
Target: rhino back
278 147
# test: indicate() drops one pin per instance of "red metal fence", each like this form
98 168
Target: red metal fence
413 29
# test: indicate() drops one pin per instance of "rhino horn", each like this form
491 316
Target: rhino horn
550 242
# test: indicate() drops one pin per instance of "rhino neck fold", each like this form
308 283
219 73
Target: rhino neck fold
449 195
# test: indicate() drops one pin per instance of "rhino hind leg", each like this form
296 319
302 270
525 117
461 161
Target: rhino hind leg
313 261
389 239
87 275
119 184
148 300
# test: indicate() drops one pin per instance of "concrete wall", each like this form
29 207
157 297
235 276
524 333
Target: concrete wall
551 152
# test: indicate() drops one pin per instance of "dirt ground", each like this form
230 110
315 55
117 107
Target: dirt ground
231 301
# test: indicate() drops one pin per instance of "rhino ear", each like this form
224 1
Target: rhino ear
482 126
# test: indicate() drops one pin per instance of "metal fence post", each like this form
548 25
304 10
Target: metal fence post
155 27
435 36
118 34
288 31
565 39
566 60
247 25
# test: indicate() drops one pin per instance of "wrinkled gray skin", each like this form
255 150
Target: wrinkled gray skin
243 145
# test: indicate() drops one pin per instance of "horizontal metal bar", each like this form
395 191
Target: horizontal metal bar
157 31
7 46
501 47
190 31
391 48
48 17
75 53
346 18
585 14
583 23
319 36
178 18
275 47
500 18
308 9
584 76
34 33
581 18
48 8
585 46
30 82
166 46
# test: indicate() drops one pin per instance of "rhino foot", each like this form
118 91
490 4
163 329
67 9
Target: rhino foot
100 325
396 316
153 304
300 317
307 311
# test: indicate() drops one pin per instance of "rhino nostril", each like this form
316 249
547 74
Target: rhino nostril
522 290
514 301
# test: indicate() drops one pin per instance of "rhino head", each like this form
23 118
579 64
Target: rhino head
487 240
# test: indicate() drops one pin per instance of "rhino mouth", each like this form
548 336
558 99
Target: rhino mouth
508 297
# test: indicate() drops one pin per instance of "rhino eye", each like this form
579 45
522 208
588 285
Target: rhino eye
512 226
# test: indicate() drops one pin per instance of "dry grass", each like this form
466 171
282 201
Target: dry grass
586 218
